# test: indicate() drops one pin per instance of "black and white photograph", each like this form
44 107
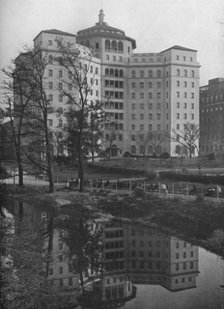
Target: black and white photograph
112 154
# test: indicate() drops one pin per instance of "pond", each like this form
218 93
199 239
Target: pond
67 260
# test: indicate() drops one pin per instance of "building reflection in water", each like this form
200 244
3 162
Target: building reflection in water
131 254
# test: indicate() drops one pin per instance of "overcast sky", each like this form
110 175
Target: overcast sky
154 24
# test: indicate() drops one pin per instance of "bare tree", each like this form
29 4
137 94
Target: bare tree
143 142
76 90
187 139
150 138
31 69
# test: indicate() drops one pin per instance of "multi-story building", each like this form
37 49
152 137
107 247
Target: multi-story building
146 96
212 117
143 92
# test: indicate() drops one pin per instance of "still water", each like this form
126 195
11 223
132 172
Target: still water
100 263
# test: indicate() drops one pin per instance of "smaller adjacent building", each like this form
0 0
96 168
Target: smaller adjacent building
212 117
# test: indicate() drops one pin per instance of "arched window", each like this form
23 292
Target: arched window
178 72
133 74
120 46
91 69
116 73
111 72
121 73
192 73
150 73
185 73
158 73
114 45
106 72
142 74
133 149
107 45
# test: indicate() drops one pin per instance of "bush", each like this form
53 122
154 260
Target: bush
165 155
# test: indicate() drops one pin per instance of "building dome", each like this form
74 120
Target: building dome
101 29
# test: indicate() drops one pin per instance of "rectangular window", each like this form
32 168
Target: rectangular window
185 105
185 116
133 95
158 84
178 83
150 84
178 104
60 73
141 127
158 127
133 116
178 116
192 95
158 95
133 84
50 42
133 106
150 127
178 94
192 116
60 98
50 97
142 85
158 105
50 85
107 57
50 72
150 105
178 126
185 84
150 116
192 105
141 116
133 127
192 84
185 94
142 106
142 95
158 116
60 86
150 95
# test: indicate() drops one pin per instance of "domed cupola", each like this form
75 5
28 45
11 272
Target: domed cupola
101 29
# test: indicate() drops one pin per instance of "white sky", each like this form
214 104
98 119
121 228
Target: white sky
154 24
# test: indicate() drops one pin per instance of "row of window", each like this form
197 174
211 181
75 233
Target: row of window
112 234
114 84
114 105
112 116
113 137
158 73
185 105
150 105
60 270
114 72
115 255
114 95
114 46
184 266
150 127
212 98
143 116
211 109
158 95
184 58
185 94
60 72
114 126
114 58
185 116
